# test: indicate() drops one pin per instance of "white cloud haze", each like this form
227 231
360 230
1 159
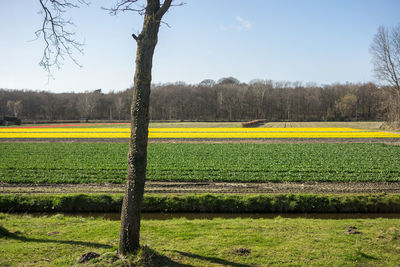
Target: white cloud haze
244 25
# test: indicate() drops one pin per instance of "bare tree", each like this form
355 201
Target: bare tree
55 35
119 105
49 106
87 102
10 106
228 80
207 82
15 107
137 156
385 49
347 106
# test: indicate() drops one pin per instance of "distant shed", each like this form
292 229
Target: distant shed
9 120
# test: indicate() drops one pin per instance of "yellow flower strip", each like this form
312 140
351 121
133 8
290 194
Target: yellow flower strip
64 130
208 130
278 135
202 135
241 130
64 135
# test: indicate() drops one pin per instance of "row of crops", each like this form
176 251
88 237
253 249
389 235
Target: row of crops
115 132
106 162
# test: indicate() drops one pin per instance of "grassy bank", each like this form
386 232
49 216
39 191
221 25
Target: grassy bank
106 162
281 203
59 241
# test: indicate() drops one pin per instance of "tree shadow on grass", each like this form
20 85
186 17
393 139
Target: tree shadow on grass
4 233
366 256
153 257
211 259
156 259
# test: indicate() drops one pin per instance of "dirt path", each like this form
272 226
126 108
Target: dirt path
209 187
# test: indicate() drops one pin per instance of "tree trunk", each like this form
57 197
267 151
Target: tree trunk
137 155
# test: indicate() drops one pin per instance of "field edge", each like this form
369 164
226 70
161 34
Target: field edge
220 203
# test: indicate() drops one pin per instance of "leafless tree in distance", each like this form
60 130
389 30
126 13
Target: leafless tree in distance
263 99
87 102
385 49
15 107
60 42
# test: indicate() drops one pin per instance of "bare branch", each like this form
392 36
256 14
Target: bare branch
56 33
163 9
126 5
166 24
135 37
122 6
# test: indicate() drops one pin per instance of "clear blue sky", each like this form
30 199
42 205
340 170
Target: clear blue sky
322 41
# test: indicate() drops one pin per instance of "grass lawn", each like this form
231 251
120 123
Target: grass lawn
60 240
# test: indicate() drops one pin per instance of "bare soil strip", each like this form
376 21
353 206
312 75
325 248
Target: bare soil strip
210 187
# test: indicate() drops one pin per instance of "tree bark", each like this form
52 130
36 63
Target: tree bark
137 155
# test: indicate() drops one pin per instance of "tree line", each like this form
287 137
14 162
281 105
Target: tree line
225 100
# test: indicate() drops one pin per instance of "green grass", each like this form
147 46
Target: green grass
59 241
106 162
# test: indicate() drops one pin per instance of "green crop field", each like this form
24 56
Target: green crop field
106 162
